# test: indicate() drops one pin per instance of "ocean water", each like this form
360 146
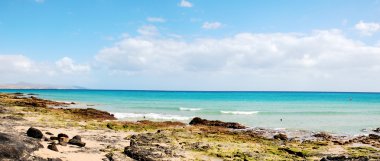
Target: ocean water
342 113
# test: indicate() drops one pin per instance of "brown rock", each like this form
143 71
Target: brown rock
323 135
232 125
46 138
53 147
90 113
339 142
49 133
280 136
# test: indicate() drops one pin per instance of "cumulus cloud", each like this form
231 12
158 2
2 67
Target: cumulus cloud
367 28
19 68
185 3
328 55
211 25
67 65
320 49
17 63
156 19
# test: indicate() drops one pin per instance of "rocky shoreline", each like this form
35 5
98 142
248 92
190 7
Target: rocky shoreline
37 129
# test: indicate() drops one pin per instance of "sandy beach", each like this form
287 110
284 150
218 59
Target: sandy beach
106 138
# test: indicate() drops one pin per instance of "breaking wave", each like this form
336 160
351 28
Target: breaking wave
154 116
189 109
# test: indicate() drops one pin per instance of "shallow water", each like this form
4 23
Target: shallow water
344 113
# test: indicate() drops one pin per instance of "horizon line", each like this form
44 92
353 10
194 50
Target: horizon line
161 90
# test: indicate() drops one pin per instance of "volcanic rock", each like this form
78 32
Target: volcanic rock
77 140
280 136
17 147
232 125
34 133
53 147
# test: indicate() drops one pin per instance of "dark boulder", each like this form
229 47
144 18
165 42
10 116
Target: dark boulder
17 147
280 136
139 154
376 130
373 136
344 158
77 143
150 147
77 140
232 125
53 147
61 135
34 133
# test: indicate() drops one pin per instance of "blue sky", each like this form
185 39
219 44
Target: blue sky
135 44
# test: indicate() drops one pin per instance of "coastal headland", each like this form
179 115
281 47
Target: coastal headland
37 129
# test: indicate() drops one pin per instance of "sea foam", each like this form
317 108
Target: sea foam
189 109
154 116
239 112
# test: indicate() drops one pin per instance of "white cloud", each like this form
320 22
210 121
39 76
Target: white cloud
367 28
304 61
155 19
67 65
19 68
320 49
148 30
211 25
185 3
16 63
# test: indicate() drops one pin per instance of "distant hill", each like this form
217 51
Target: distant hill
24 85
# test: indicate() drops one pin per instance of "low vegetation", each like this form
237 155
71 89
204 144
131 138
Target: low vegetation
176 140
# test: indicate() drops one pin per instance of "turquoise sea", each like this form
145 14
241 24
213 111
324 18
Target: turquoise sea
343 113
